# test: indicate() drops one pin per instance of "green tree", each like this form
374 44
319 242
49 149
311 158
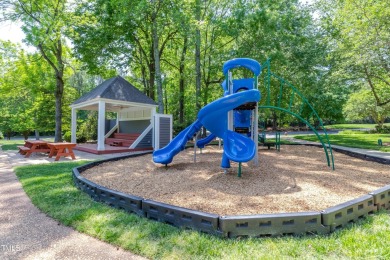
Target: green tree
44 23
26 92
286 32
122 35
359 33
128 35
361 105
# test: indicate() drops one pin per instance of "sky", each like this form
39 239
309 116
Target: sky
11 32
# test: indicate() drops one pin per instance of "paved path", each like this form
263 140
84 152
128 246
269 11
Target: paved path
373 153
27 233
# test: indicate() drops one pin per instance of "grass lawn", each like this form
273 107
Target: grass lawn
51 189
10 144
353 126
7 145
354 139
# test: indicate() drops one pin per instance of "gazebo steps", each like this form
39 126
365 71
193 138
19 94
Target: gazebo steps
121 139
92 148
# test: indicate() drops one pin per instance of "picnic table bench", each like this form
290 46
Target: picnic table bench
61 149
33 146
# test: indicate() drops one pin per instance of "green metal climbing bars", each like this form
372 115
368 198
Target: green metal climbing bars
294 104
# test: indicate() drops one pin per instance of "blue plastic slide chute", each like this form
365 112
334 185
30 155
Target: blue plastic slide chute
213 116
166 154
202 142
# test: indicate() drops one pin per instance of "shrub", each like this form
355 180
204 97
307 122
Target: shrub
382 129
67 136
88 128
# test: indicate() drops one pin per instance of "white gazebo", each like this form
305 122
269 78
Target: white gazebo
136 113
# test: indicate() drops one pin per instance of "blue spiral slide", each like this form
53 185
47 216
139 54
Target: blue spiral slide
213 116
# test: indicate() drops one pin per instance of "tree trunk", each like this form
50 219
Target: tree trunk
58 67
156 52
165 99
8 134
58 116
182 80
274 120
36 134
25 134
152 75
197 56
59 94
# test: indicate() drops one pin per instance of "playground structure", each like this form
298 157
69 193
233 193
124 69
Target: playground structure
234 117
282 96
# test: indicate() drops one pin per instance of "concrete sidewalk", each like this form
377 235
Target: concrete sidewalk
363 152
27 233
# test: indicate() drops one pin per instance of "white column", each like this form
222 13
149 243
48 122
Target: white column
101 125
74 125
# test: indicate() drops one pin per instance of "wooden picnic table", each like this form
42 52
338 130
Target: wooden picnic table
33 146
61 149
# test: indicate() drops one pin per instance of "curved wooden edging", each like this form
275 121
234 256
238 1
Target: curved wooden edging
299 223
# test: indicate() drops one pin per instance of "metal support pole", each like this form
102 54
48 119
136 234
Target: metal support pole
239 170
196 139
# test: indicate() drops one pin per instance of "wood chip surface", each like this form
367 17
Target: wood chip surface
296 179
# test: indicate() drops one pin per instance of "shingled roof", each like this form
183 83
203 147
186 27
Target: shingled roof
116 88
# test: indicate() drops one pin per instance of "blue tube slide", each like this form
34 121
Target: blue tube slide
166 154
213 116
202 142
247 63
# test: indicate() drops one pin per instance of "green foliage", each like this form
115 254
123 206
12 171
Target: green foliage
368 238
331 56
357 32
88 128
362 104
67 136
25 83
26 92
382 129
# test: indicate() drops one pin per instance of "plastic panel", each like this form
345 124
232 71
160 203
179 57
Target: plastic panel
119 200
181 217
84 184
272 224
382 197
342 214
